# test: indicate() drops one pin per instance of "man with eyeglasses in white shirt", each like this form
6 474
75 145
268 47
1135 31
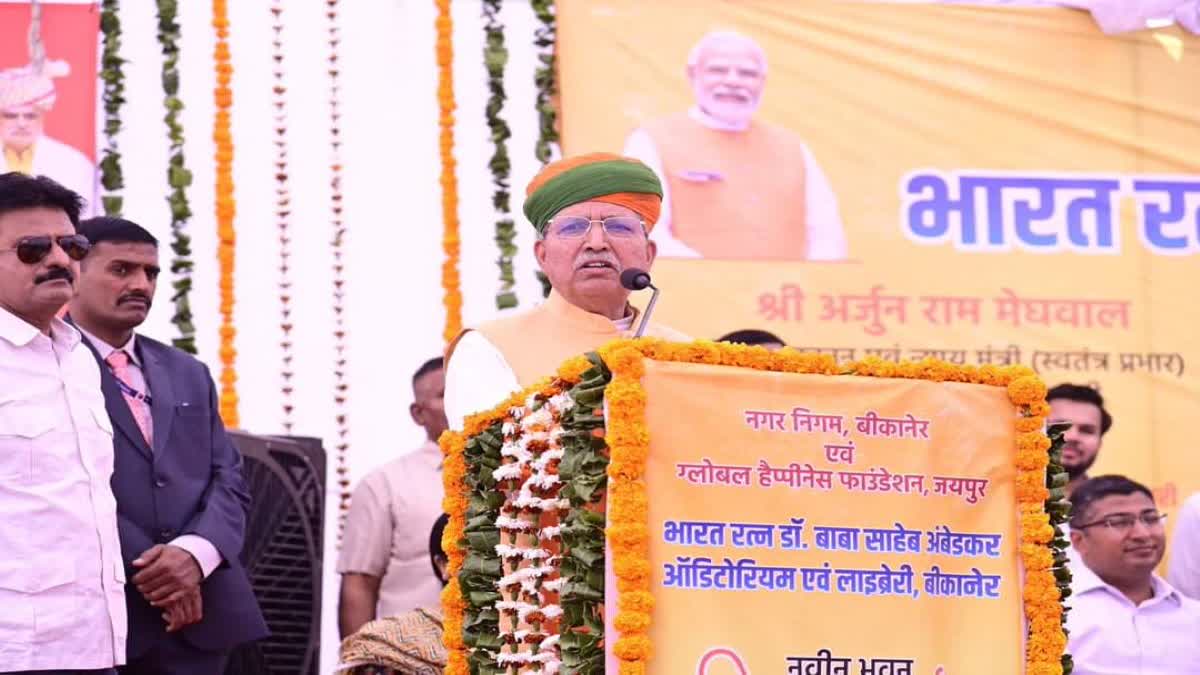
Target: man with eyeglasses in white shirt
1124 619
62 595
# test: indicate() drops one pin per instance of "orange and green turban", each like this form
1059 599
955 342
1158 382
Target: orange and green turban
598 176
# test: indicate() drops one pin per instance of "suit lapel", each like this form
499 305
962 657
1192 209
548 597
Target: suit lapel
114 403
162 395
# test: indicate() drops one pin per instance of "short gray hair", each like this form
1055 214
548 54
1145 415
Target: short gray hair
725 36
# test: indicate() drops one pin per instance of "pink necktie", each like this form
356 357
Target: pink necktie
119 362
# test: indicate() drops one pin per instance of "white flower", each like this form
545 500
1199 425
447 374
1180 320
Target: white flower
518 658
507 605
550 532
555 585
562 402
540 417
507 523
508 429
549 643
516 450
525 573
544 481
543 460
552 611
507 471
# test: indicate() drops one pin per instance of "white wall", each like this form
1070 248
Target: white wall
392 205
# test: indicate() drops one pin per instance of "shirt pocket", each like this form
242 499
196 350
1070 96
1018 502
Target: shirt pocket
39 600
21 426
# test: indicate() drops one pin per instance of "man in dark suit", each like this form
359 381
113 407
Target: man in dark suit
181 498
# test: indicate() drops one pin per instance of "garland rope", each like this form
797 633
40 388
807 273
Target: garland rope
545 79
451 284
283 208
495 57
341 387
178 178
226 208
113 96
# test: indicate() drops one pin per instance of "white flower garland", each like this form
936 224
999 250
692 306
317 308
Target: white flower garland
531 448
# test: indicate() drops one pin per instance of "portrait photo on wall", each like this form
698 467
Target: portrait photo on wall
48 89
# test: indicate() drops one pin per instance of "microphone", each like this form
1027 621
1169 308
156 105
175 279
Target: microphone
635 279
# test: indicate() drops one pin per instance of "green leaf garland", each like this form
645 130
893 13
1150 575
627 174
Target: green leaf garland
584 474
544 78
1059 508
178 177
114 97
495 58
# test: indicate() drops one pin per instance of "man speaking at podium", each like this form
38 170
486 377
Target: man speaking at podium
593 214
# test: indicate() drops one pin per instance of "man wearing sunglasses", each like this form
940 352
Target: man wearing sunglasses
1123 617
62 598
593 214
178 478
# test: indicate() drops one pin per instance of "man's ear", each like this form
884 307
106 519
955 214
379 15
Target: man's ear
1076 538
416 411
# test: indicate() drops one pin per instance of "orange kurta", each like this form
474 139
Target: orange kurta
734 194
535 343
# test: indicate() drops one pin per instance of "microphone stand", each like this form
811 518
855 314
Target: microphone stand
649 309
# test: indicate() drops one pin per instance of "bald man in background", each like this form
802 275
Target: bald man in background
734 187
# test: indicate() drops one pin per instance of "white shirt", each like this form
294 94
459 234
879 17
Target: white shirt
201 549
1111 636
62 579
826 236
69 167
1183 571
478 377
387 530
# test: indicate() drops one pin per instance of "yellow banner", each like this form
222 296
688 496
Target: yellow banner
846 521
978 185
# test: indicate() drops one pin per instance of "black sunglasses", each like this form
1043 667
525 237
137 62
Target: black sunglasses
33 250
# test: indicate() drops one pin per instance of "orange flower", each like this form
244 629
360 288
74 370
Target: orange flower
633 647
225 210
572 371
632 622
1026 390
636 601
1027 424
452 295
632 668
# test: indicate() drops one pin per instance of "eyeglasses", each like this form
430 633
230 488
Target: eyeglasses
574 227
33 250
1124 522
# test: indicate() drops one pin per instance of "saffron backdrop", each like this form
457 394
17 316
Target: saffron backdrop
1014 187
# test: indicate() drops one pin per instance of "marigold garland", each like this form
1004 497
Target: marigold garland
1040 481
451 284
113 78
226 208
341 386
178 178
283 211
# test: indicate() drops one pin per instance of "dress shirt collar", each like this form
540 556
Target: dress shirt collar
433 452
584 320
105 349
1084 581
20 333
711 122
